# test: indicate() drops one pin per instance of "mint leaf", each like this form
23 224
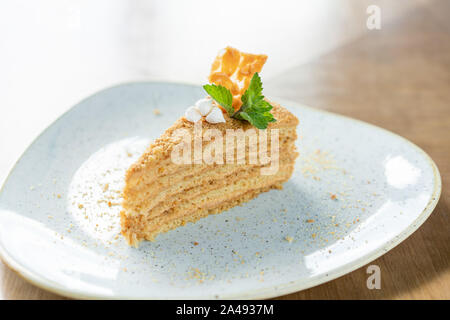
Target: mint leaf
222 96
257 119
253 94
254 108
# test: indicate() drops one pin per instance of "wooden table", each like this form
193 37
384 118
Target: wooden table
397 78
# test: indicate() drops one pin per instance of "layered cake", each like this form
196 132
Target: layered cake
227 148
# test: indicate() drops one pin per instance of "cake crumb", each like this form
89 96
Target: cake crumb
156 112
310 220
289 239
333 196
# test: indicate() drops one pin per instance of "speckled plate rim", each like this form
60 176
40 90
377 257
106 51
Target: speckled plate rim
264 293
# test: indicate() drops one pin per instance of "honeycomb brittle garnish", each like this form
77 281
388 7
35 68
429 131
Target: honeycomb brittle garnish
234 70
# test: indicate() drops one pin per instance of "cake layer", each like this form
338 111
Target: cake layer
200 176
217 189
158 153
141 227
148 171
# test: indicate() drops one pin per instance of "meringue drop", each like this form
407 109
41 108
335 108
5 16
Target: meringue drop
192 114
204 106
215 116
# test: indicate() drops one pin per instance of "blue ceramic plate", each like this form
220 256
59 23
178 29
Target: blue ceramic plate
357 192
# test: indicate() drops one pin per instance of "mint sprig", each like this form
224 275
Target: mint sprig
254 108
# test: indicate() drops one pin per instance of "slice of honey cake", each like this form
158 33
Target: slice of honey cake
223 152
